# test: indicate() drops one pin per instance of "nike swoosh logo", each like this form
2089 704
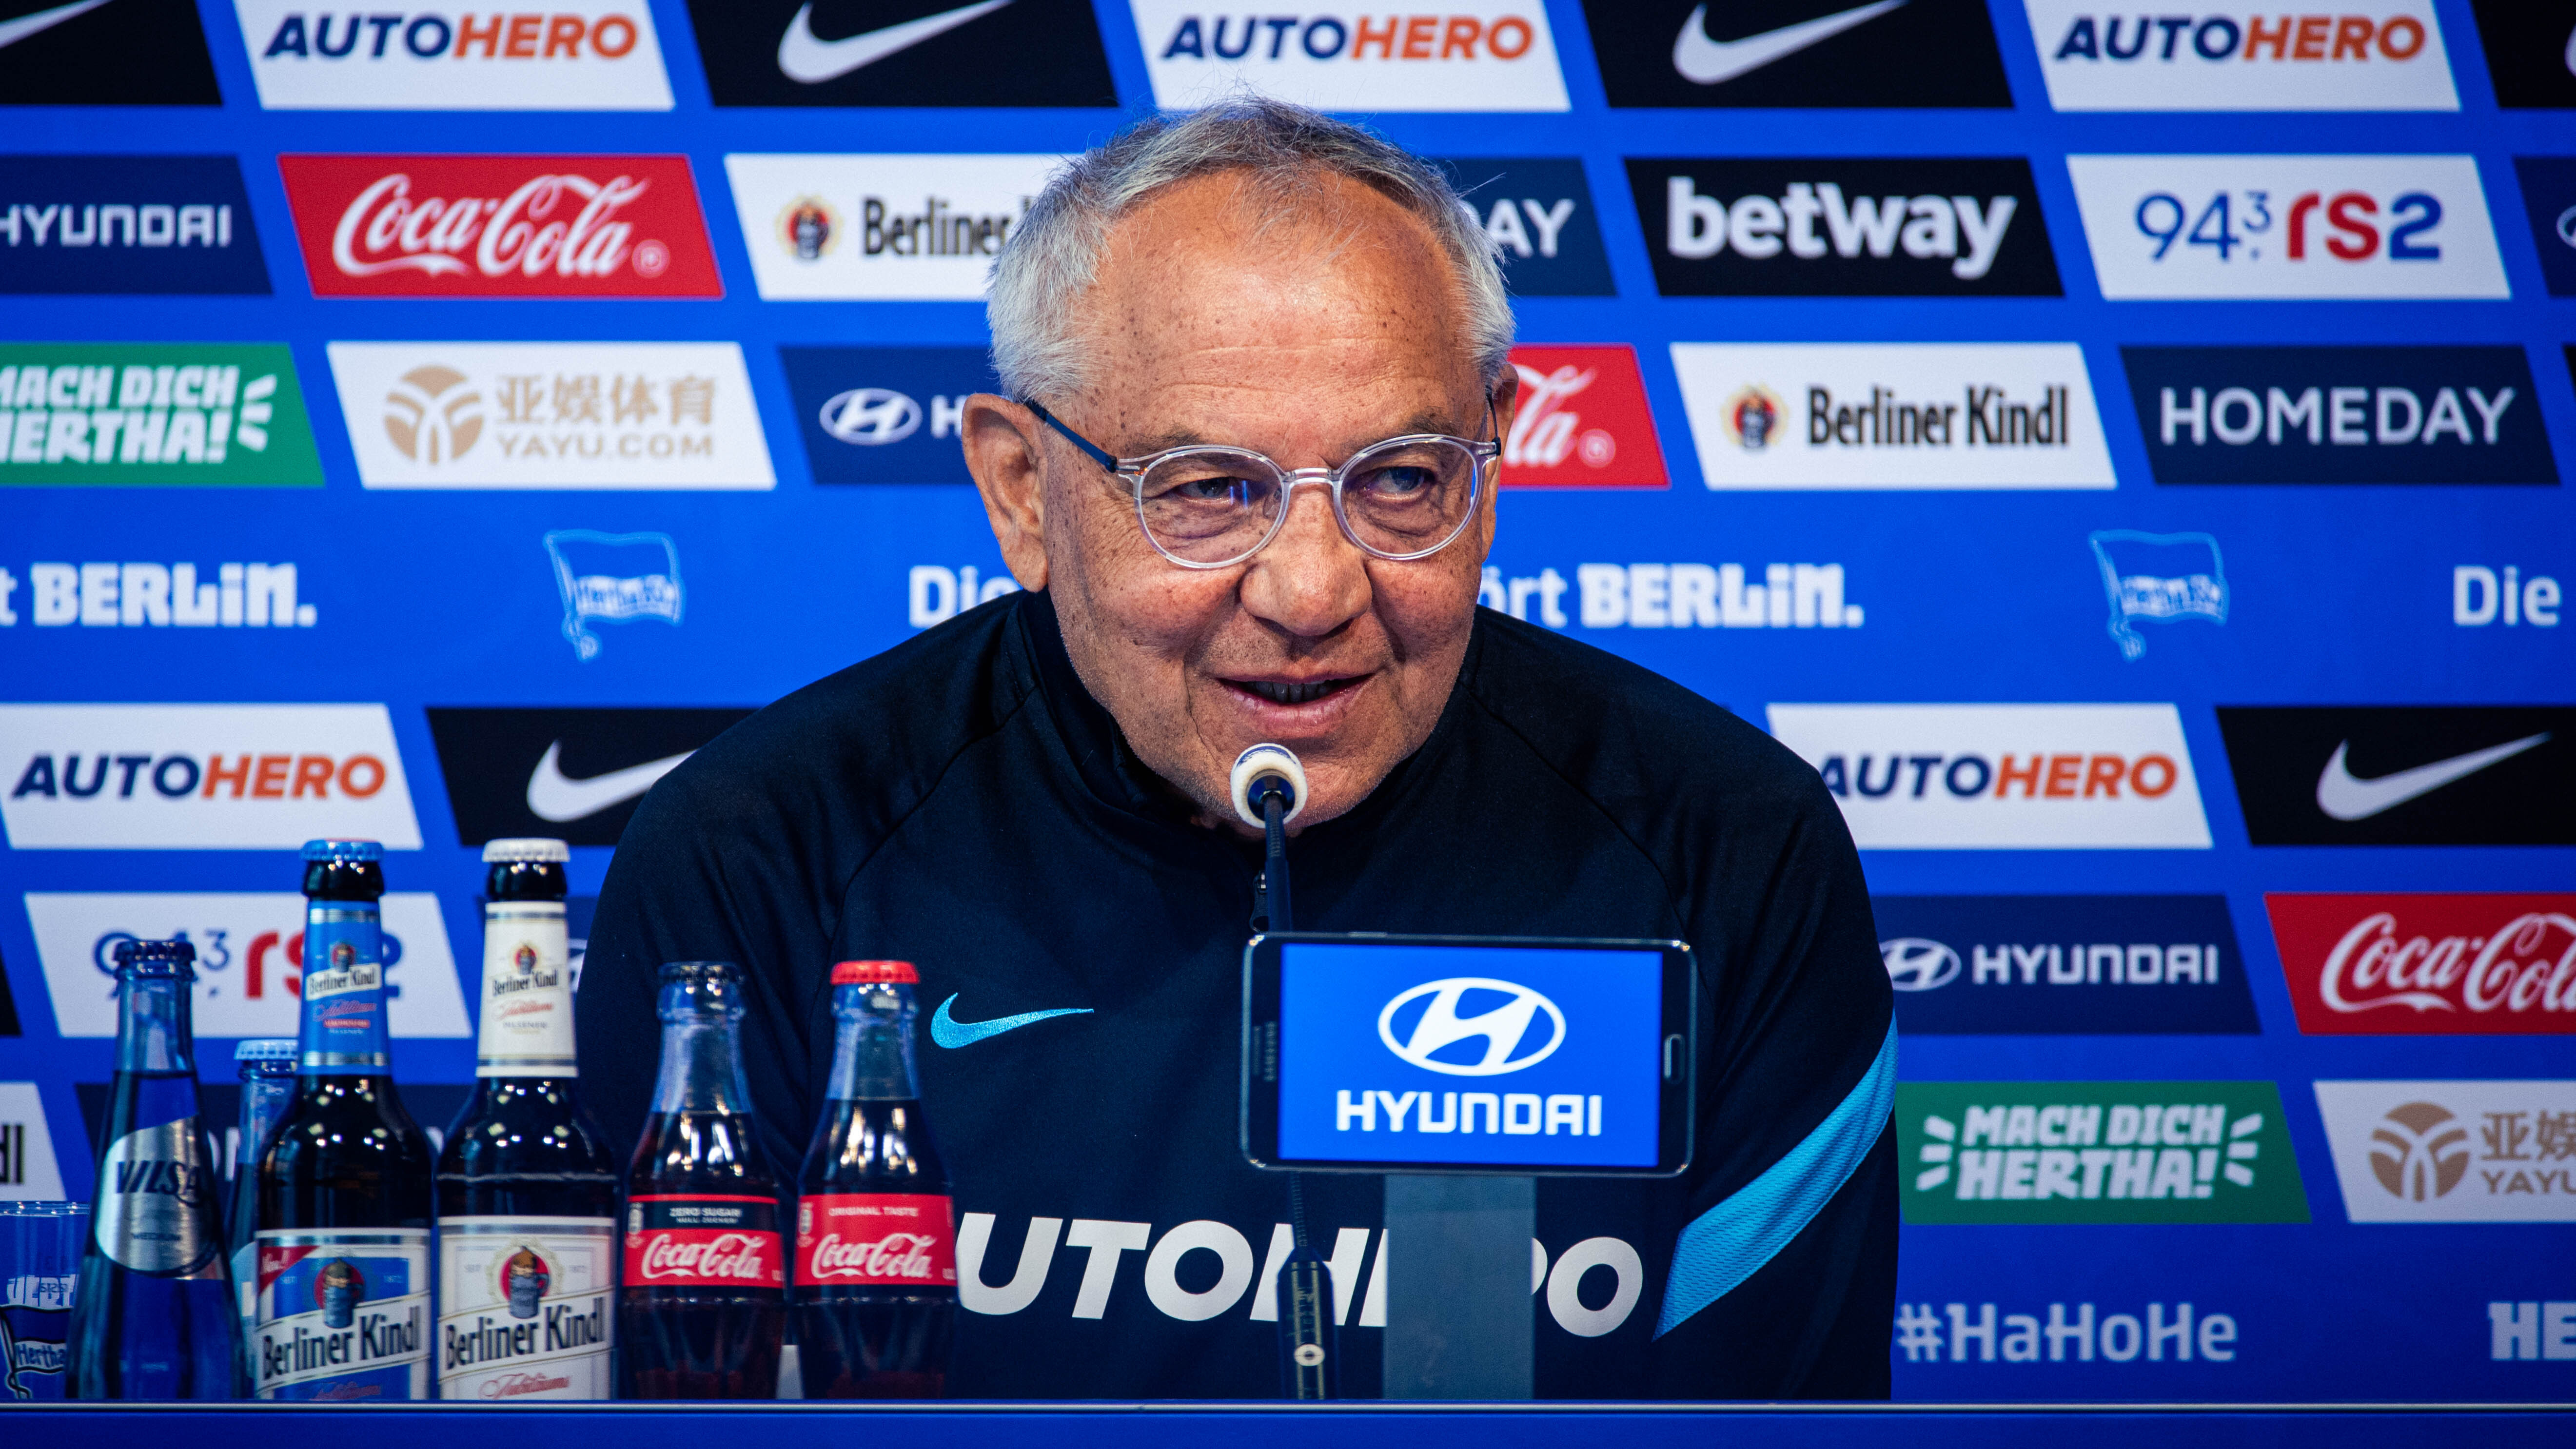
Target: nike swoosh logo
948 1031
813 61
2346 798
13 31
1707 61
554 796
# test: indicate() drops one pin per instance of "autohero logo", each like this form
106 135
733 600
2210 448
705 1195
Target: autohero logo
551 415
854 228
2096 1152
1538 211
1581 422
2428 965
2422 775
2526 48
1797 53
1465 55
201 776
1934 226
2246 227
250 959
574 55
575 774
2453 1152
2549 201
2121 1338
2071 965
2002 776
113 595
1684 596
202 414
2355 55
885 414
104 224
500 226
104 53
902 53
2339 415
29 1173
1892 415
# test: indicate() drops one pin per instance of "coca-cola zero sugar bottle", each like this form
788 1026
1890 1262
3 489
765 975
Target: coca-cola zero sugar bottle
876 1259
703 1305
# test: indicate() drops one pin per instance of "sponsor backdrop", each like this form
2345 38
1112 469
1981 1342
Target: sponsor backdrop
2123 451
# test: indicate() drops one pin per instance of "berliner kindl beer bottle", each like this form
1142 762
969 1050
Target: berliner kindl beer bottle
704 1303
527 1188
154 1314
344 1183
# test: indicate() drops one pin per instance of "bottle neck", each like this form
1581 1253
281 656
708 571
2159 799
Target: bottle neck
343 1031
526 1027
264 1095
153 1030
872 1044
701 1065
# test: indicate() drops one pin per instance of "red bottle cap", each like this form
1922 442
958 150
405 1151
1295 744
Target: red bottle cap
857 973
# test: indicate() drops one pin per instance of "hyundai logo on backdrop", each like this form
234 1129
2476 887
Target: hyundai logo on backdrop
1467 55
163 224
2429 964
2064 965
2422 775
1861 53
576 774
941 53
104 53
576 55
2247 227
1538 211
2339 415
1930 226
879 228
2360 55
2453 1152
885 414
250 958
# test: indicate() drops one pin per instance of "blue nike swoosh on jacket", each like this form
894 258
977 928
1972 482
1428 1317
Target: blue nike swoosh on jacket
950 1032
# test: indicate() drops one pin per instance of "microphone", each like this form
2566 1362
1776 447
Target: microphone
1264 771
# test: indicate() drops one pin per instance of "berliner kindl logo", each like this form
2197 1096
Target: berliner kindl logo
2419 1151
433 414
1501 1017
1752 415
809 227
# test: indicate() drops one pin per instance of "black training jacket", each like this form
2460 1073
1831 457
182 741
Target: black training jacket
961 802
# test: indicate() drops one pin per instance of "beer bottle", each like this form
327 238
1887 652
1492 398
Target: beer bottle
266 1065
344 1181
153 1318
703 1306
876 1256
527 1187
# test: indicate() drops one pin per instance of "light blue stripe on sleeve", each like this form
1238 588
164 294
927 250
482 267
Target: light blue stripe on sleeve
1731 1241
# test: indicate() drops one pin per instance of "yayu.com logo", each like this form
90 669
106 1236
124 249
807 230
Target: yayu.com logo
201 777
2478 1151
2006 776
2361 55
2428 965
1469 55
1874 227
500 226
577 55
2287 226
134 595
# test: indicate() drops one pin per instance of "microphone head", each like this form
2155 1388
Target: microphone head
1267 762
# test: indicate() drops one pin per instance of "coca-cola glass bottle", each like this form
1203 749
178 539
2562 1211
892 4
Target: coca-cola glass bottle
704 1303
876 1259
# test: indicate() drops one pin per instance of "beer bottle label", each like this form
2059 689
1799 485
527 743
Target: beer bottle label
156 1204
343 1315
344 991
527 992
523 1310
875 1239
698 1240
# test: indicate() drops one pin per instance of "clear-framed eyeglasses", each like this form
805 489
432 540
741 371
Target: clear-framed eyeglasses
1210 506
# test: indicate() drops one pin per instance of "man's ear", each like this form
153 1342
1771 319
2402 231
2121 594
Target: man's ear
1505 396
1002 439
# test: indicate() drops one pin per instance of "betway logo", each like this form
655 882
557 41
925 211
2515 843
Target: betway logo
2363 55
2428 965
577 55
1961 227
132 595
2007 776
1470 55
201 777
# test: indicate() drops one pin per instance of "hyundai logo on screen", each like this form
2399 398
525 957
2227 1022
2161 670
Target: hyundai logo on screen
1490 1037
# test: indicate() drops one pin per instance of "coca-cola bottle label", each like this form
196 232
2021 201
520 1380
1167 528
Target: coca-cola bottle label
872 1239
523 1310
700 1240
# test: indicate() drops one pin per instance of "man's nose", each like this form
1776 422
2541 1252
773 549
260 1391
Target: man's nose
1311 579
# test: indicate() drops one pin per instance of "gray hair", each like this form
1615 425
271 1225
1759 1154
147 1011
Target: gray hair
1053 255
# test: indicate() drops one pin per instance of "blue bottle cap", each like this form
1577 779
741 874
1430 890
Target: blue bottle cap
343 850
265 1049
156 958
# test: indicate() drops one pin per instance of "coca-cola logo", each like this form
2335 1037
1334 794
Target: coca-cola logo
1544 428
896 1255
385 228
1580 421
732 1257
2429 963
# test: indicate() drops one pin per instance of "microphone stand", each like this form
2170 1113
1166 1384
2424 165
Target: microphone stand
1309 1363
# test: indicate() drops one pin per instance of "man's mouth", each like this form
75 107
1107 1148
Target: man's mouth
1280 691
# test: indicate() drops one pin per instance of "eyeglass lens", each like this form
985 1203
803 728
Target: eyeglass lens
1213 505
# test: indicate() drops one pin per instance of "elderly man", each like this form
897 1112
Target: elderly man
1030 803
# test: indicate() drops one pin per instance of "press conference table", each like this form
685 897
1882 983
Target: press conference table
1199 1425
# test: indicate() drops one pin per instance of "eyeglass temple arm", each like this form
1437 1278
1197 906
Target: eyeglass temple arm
1090 449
